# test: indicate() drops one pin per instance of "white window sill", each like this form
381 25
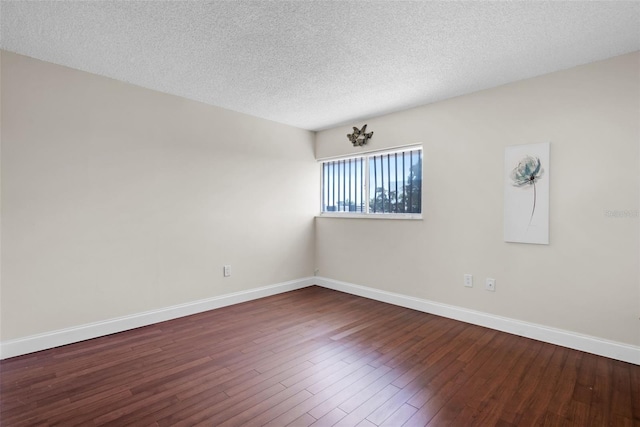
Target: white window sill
369 216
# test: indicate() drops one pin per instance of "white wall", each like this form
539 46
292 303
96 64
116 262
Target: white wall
117 199
587 280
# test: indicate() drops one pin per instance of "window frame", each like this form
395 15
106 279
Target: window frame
366 155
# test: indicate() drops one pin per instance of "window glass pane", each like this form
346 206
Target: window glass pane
396 182
413 183
393 182
342 185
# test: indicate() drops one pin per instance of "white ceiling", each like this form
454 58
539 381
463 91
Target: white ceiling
318 64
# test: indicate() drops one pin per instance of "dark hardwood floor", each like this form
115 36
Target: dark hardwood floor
317 357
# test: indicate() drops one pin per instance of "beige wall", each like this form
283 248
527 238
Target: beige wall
0 196
587 280
118 199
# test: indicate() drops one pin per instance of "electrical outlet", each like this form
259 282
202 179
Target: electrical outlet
468 280
226 270
490 284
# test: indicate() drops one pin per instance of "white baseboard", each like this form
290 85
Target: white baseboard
614 350
61 337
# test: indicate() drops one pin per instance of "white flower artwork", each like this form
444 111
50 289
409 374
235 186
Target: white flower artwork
526 193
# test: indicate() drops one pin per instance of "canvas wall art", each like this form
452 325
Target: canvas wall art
526 193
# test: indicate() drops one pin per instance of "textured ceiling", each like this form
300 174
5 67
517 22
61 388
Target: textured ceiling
317 64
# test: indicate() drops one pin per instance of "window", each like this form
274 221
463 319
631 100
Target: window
388 183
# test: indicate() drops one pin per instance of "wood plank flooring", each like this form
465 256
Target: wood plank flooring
317 357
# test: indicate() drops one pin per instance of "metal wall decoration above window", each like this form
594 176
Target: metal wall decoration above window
359 137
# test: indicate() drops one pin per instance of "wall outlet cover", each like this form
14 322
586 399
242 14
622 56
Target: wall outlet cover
468 280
